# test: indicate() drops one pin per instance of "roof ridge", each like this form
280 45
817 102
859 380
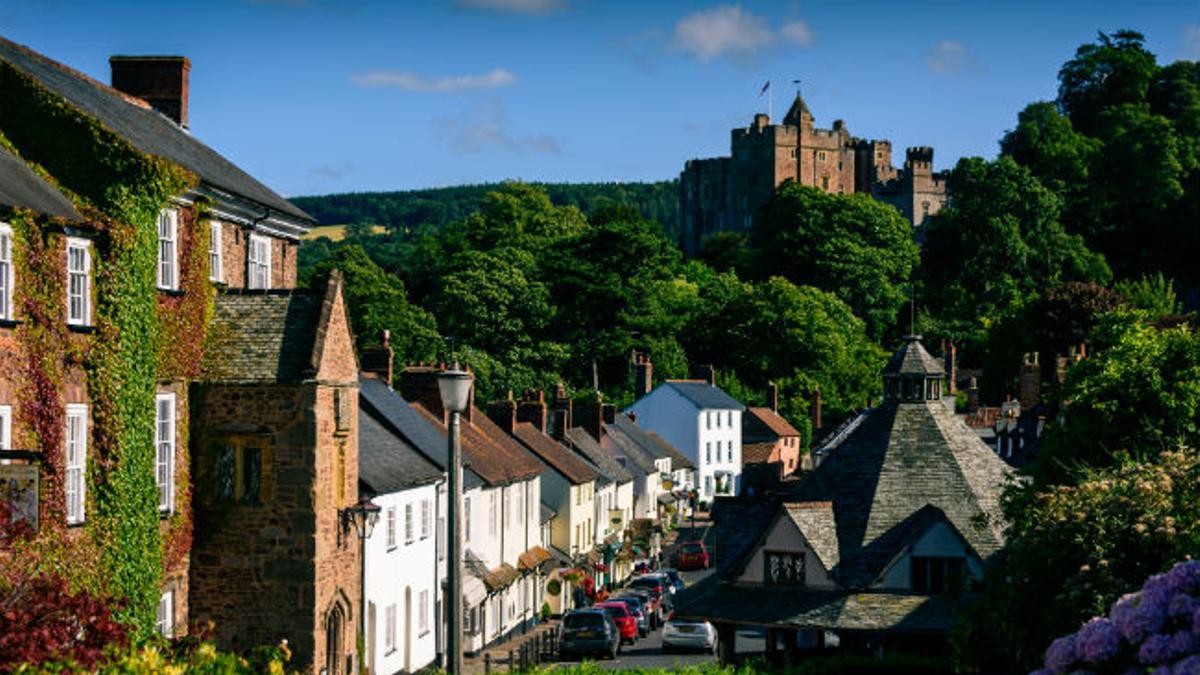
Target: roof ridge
129 98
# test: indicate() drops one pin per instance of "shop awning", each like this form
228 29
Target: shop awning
532 558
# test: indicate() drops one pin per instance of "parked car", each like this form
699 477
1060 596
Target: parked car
650 605
589 631
635 606
673 575
657 588
626 621
693 556
688 634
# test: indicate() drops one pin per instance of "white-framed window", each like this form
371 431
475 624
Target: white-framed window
389 628
466 521
6 427
391 527
216 260
423 613
729 418
6 271
164 620
408 523
164 441
441 538
708 485
259 268
708 452
76 451
708 419
426 518
79 282
492 521
168 249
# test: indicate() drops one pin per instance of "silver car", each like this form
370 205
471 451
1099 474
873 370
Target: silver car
688 634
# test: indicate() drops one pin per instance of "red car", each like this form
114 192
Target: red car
693 556
626 621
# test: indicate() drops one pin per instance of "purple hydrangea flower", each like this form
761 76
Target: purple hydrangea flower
1196 622
1188 666
1184 577
1098 641
1155 650
1182 605
1122 616
1159 584
1183 643
1060 655
1042 671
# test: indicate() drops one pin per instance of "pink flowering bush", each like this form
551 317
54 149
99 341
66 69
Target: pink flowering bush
1156 630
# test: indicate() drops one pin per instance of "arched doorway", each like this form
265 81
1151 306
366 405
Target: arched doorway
334 661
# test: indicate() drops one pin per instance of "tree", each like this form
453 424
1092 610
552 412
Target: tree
1075 549
376 301
855 247
1114 70
1136 395
1152 293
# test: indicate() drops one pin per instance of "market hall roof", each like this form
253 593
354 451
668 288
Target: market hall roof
912 359
146 129
22 188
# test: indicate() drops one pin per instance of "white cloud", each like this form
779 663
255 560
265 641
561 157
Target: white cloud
1191 42
413 82
730 31
517 6
949 57
486 127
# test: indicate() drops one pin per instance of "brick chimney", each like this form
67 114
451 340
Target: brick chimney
377 361
706 373
532 409
814 409
592 413
561 413
161 81
1031 382
504 413
643 376
773 397
973 396
950 361
419 384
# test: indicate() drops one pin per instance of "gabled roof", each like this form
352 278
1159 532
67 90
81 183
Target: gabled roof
816 522
635 444
764 424
648 445
387 463
678 459
559 458
703 395
608 466
912 359
757 453
262 336
145 128
21 187
388 408
494 456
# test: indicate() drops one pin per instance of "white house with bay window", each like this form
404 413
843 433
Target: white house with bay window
704 423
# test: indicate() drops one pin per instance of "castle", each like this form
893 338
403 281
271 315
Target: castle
725 193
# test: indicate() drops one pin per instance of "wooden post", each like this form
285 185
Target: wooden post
727 643
789 648
512 662
487 663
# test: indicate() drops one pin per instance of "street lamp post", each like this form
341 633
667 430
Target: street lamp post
454 385
361 518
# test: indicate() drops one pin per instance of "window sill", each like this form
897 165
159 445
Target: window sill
81 328
9 323
391 548
77 524
173 292
164 514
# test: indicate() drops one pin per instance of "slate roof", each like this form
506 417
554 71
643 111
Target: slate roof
262 336
21 187
547 514
631 446
652 448
145 128
387 463
912 359
738 522
387 407
816 522
562 460
764 424
583 443
703 395
678 459
793 114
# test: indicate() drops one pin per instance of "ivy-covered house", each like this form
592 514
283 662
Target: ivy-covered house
118 228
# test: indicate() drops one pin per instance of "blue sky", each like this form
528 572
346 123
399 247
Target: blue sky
315 96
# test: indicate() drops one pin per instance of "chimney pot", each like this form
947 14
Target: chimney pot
161 81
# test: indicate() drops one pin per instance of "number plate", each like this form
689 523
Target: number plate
586 634
687 629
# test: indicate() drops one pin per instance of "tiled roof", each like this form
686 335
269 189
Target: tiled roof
912 359
583 443
262 336
495 457
386 462
704 395
678 459
519 463
757 453
145 128
421 432
553 453
21 187
764 424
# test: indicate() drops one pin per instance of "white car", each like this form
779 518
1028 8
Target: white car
688 634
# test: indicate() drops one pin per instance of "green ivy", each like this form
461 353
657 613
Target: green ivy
120 191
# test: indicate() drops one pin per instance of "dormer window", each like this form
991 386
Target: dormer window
168 249
935 575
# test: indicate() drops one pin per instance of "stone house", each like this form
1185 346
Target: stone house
876 543
275 464
222 229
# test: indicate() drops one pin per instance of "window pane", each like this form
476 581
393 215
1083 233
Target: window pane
251 474
225 473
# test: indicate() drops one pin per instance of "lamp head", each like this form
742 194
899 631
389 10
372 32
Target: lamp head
454 385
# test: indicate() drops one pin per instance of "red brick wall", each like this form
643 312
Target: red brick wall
234 245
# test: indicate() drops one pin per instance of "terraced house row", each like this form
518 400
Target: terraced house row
193 433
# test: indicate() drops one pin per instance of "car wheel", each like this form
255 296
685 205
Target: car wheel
666 649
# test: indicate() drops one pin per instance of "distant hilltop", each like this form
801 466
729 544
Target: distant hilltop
725 193
437 207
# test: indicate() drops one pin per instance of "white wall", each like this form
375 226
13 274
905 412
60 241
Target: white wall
719 434
398 576
938 541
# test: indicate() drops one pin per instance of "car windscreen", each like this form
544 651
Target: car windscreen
591 621
633 603
616 611
693 548
649 584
